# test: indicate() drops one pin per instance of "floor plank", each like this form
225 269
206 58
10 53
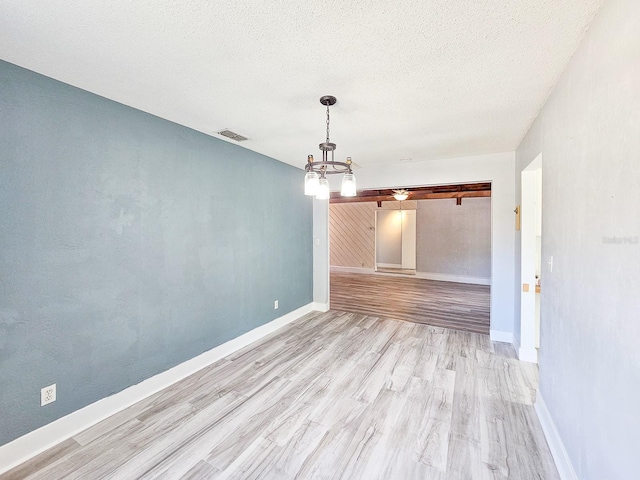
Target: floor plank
443 304
331 396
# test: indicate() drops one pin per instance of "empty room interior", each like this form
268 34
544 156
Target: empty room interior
431 249
300 240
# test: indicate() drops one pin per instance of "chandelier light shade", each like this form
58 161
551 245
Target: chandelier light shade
311 182
323 192
315 181
348 185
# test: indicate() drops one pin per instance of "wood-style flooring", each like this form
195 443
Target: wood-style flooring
441 304
331 396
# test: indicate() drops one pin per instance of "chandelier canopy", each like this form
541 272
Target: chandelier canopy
315 181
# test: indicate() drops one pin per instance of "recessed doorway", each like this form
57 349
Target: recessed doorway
530 260
395 241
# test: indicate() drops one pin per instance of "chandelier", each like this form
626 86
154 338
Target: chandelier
315 180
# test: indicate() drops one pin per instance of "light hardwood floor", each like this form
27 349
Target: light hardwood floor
441 304
333 395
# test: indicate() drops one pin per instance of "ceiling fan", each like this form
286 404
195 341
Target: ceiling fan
401 194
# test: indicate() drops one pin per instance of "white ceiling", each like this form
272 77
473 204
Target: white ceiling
419 79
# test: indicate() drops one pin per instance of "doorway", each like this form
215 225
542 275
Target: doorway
452 258
395 241
530 260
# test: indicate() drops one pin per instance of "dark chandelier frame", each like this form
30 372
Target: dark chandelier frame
326 166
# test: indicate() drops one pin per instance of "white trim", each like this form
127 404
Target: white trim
23 448
389 265
320 307
445 277
498 336
362 270
516 343
560 455
528 354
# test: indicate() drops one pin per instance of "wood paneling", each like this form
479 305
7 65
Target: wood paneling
333 395
444 304
352 233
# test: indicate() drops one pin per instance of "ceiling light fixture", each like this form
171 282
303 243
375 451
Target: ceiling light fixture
315 181
401 195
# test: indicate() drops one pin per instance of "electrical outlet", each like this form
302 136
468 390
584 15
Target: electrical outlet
275 305
48 395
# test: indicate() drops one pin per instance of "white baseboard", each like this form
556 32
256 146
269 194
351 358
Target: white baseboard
390 265
441 277
559 453
498 336
365 270
528 354
516 343
445 277
23 448
320 307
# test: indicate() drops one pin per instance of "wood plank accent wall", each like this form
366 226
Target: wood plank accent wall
352 234
351 230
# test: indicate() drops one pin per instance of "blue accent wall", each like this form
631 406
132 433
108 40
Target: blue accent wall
129 244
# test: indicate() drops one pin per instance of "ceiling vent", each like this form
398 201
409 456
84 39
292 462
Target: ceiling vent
232 135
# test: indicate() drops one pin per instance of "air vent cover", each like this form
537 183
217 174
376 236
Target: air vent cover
232 135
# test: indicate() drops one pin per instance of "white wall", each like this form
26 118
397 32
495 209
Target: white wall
454 239
321 253
589 136
499 169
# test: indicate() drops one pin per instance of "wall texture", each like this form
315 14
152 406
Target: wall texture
129 244
589 136
454 239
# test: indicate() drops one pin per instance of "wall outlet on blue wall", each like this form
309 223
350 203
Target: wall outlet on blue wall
275 305
48 395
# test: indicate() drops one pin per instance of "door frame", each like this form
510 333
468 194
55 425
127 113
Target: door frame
529 211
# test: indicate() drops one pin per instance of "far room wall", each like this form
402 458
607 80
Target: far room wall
352 232
453 241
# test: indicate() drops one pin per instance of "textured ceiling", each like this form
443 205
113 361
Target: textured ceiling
414 79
